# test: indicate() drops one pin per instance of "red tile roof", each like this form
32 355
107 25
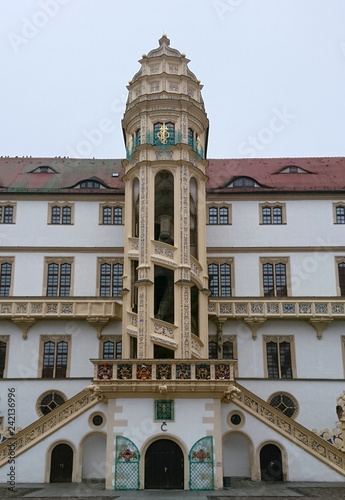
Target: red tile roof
322 174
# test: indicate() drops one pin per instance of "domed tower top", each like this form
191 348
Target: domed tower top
165 91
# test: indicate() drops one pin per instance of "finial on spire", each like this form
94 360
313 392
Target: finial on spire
164 40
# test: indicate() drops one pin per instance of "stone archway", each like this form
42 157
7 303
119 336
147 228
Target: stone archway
164 465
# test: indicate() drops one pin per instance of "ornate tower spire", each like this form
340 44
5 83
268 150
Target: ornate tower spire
165 130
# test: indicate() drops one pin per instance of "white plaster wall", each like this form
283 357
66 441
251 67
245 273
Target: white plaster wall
28 272
236 456
187 426
301 465
28 391
32 228
94 457
300 229
316 399
315 359
31 465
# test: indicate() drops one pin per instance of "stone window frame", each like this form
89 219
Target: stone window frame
218 206
42 396
59 261
112 206
343 350
55 339
276 260
8 260
271 206
290 396
6 340
279 339
335 206
218 261
61 205
111 261
5 204
225 338
338 260
116 339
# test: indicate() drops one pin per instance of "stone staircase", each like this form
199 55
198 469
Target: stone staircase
287 427
46 425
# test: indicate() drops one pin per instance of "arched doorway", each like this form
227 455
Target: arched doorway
94 457
61 464
236 456
271 464
164 466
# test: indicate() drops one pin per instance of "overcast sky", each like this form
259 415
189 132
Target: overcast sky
273 73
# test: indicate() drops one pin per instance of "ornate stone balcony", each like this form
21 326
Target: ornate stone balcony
26 312
254 311
163 376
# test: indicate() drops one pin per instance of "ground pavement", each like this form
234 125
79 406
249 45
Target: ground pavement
238 490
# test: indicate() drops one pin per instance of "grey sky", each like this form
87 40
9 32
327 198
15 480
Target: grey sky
273 73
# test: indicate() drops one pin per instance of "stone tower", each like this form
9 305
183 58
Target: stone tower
165 272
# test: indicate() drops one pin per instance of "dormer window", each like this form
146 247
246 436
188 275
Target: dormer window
243 182
89 184
43 169
293 169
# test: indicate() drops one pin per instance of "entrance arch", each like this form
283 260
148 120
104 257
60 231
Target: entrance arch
164 466
271 463
237 455
61 465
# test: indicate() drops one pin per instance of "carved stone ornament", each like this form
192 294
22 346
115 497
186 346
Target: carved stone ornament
231 392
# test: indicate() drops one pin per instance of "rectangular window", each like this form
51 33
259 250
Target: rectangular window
111 215
7 213
213 215
219 279
272 214
111 279
339 213
60 214
341 278
219 215
3 354
55 358
59 276
274 279
278 357
111 347
5 279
